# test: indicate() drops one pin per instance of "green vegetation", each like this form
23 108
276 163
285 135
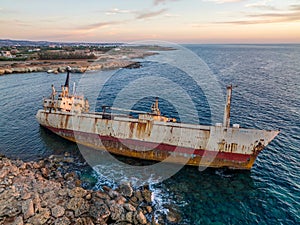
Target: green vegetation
64 55
22 53
2 58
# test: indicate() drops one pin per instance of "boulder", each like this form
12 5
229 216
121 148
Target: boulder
62 221
63 192
129 217
138 195
99 211
8 71
45 172
3 173
57 211
140 217
116 211
101 195
88 196
129 207
173 216
147 194
125 189
26 195
84 221
61 69
106 189
70 176
69 213
27 209
134 201
79 206
77 192
113 194
49 198
18 221
41 217
37 202
120 200
19 70
149 209
9 205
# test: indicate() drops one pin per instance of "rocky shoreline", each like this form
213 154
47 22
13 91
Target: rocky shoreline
112 60
59 67
41 192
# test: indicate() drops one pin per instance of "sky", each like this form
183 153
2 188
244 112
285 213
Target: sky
178 21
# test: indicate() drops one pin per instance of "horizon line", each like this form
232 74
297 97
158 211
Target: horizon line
179 43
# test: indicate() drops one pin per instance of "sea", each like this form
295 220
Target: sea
191 85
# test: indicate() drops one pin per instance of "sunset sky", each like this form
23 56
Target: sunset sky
181 21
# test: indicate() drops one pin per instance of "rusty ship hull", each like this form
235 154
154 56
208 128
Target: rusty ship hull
152 136
149 139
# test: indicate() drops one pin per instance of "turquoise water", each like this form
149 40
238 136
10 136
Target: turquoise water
267 97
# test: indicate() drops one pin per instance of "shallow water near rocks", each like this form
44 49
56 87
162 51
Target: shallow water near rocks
267 97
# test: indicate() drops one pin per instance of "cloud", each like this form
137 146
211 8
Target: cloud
291 15
146 15
246 22
139 15
157 2
95 26
295 7
264 5
118 11
169 15
280 17
268 18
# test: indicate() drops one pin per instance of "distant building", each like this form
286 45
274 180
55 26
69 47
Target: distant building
6 54
14 51
34 50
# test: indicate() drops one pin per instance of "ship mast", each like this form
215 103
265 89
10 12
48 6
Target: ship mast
226 120
155 108
66 87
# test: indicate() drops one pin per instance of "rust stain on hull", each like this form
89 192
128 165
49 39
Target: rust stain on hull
118 148
160 156
198 145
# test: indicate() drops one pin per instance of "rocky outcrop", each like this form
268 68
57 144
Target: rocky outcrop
41 193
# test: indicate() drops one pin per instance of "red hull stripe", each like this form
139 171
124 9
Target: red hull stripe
150 145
